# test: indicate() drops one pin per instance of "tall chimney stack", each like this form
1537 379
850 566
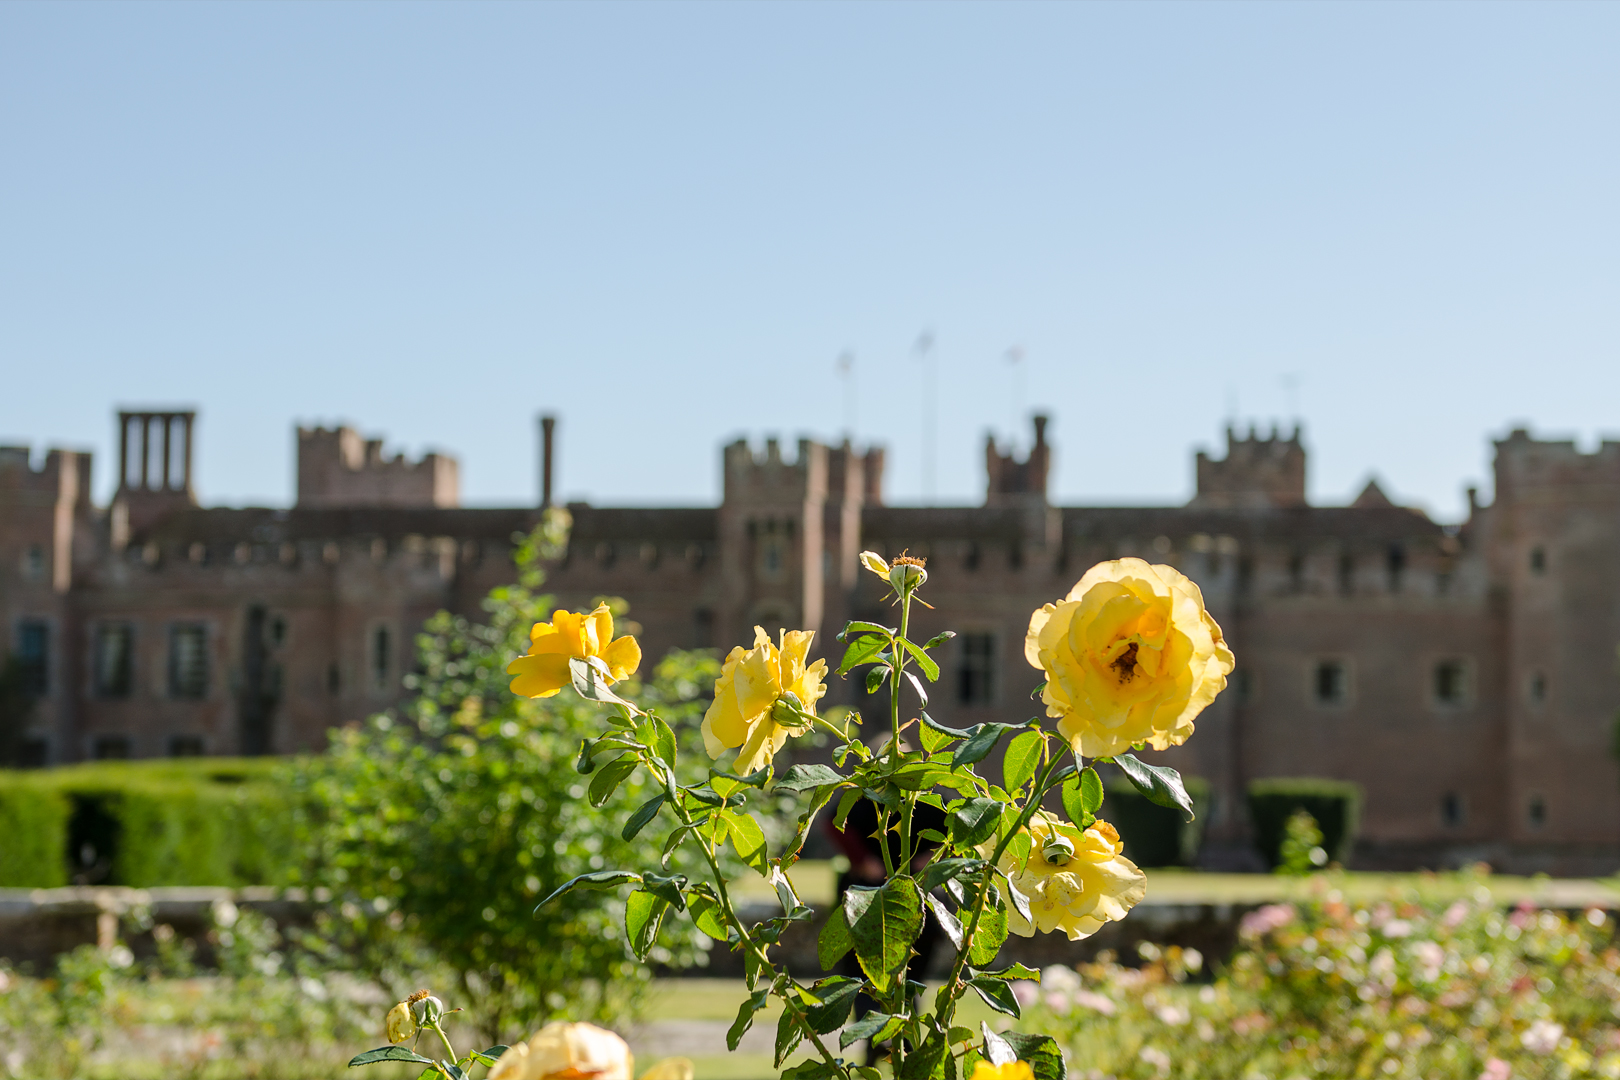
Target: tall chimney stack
548 424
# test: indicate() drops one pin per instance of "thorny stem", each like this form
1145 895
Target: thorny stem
448 1049
790 1001
951 991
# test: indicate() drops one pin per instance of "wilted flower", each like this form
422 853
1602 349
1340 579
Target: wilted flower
1130 656
543 671
399 1024
751 683
566 1051
875 563
1075 881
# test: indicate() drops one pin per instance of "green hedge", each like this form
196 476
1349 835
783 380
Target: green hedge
198 822
1335 804
1157 835
34 822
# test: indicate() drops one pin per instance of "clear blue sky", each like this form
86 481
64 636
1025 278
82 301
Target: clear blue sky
666 222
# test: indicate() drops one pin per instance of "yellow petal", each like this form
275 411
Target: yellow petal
600 623
539 676
623 657
875 563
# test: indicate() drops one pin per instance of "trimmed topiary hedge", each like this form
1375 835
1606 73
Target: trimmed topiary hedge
1335 804
33 821
198 822
1156 835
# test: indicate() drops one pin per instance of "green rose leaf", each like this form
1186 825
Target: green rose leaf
599 879
1042 1053
885 931
606 782
643 915
1023 757
981 739
916 684
874 679
788 1036
944 870
862 650
388 1053
929 1060
591 681
806 777
644 814
874 1025
834 940
947 921
939 639
975 821
924 661
745 1017
1160 784
490 1056
670 887
812 1069
835 997
748 839
997 1050
707 915
988 938
996 994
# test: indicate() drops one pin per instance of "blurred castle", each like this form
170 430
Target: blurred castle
1465 676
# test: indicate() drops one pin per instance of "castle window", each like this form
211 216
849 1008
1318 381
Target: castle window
114 660
1535 812
1538 560
334 679
1451 682
1451 809
1347 574
1330 682
970 559
772 557
694 555
186 746
975 678
1296 572
278 632
111 748
1538 688
1395 564
33 563
34 657
381 658
188 661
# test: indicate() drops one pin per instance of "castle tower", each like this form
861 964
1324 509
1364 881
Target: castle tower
1256 473
772 539
336 468
1010 482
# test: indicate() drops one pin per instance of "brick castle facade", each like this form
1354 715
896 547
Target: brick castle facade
1467 677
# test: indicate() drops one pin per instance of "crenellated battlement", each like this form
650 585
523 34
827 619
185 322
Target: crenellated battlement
336 467
1257 472
1010 481
1528 466
769 478
64 475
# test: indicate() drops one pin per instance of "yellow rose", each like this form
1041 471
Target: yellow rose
750 684
1075 881
1130 656
569 635
400 1024
566 1051
1013 1070
675 1068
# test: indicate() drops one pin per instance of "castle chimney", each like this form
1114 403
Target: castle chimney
548 425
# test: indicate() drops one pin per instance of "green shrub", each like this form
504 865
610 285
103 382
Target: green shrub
1335 804
1157 835
34 822
191 822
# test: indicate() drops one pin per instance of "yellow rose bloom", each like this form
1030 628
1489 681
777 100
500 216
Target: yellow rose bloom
1130 656
566 1051
750 684
1013 1070
675 1068
1075 881
570 635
